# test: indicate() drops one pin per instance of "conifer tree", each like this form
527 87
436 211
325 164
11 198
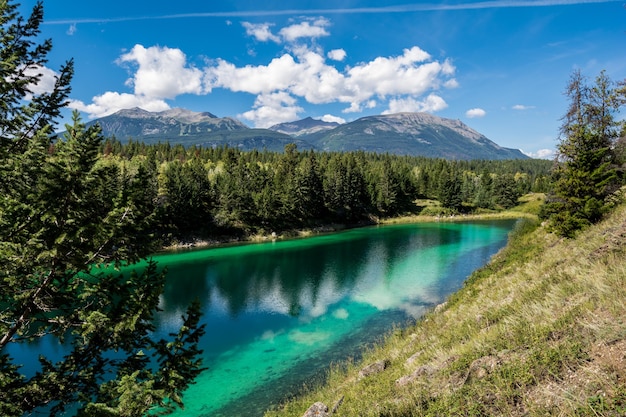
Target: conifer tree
586 173
62 213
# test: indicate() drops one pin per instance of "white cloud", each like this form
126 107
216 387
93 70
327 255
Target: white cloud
47 79
541 154
522 107
430 104
475 112
279 74
260 31
111 102
337 54
409 81
72 29
271 109
312 28
333 119
451 83
307 74
392 76
162 72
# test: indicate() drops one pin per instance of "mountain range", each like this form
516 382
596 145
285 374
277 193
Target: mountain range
402 134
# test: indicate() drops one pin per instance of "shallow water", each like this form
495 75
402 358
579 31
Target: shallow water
279 313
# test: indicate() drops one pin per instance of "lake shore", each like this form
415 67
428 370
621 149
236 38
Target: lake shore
196 243
537 331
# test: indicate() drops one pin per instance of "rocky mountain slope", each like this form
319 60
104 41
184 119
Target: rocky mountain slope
191 128
304 127
412 134
419 134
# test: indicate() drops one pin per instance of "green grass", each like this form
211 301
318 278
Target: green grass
540 330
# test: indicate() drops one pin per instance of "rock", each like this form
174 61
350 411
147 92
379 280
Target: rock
413 358
375 368
426 370
404 380
482 367
319 409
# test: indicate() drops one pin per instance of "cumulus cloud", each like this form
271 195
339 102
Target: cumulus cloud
279 74
260 31
271 109
522 107
430 104
110 102
475 112
409 81
162 72
333 119
47 79
451 83
337 54
541 154
310 28
307 74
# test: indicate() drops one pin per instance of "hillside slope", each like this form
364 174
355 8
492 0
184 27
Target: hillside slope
540 330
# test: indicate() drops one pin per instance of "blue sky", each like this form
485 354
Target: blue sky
499 66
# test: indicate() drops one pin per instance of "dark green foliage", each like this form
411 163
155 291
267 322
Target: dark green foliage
587 170
64 209
506 191
187 195
204 192
449 193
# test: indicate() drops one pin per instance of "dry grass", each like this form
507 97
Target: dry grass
541 330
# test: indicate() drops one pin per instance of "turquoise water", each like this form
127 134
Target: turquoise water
279 313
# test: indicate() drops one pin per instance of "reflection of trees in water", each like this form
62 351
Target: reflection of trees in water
298 273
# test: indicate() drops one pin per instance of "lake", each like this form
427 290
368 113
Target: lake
279 313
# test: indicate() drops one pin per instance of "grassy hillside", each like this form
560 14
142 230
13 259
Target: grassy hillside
540 330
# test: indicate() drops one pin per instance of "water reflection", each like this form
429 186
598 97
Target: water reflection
276 307
298 279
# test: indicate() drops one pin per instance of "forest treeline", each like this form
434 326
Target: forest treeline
200 192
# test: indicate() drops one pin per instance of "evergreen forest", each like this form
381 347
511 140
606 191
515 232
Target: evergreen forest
202 193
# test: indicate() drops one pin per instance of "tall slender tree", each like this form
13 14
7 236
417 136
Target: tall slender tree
61 214
585 173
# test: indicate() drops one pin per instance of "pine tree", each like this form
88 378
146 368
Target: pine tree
62 213
586 172
449 194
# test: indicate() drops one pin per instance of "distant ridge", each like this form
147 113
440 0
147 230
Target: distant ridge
186 127
412 134
417 134
304 127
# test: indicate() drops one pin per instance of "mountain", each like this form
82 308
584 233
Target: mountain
304 127
412 134
402 134
180 126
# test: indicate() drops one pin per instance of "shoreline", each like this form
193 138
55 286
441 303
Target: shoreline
198 243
